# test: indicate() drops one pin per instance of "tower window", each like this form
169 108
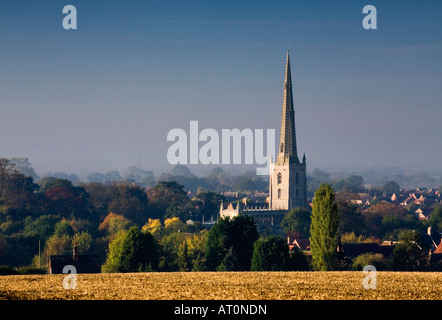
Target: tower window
279 180
279 193
281 148
297 178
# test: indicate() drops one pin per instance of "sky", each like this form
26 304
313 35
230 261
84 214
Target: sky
104 96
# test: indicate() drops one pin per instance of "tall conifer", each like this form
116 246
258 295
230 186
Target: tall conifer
324 229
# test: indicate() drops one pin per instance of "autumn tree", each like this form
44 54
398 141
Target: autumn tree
17 192
132 251
131 201
113 223
65 199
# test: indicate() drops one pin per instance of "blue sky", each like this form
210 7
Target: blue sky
105 96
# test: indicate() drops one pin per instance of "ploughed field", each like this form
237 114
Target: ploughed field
225 286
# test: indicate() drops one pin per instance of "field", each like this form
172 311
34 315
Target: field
225 286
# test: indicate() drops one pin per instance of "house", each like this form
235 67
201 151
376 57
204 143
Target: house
436 255
352 250
303 244
420 214
82 263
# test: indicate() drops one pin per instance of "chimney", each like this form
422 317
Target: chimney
75 252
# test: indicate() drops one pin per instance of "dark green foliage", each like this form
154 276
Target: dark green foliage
167 200
42 227
297 222
324 229
6 270
391 187
270 254
63 228
377 260
139 252
297 260
130 201
217 243
410 254
435 220
237 236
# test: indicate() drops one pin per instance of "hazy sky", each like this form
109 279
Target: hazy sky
105 96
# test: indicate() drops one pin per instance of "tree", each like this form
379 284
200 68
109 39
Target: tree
324 229
113 223
171 246
237 236
375 259
43 227
84 242
297 260
184 259
167 200
391 187
96 177
297 222
63 228
113 258
65 199
138 252
208 204
17 192
197 248
174 224
154 227
217 242
435 219
353 183
58 245
98 200
350 217
23 166
410 253
270 254
320 175
130 201
112 176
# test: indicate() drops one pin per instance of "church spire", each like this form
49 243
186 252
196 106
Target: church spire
287 140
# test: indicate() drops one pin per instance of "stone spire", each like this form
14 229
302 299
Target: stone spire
287 151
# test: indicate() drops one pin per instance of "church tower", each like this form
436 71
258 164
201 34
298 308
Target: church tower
288 180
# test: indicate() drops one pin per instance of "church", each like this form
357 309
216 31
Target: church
288 179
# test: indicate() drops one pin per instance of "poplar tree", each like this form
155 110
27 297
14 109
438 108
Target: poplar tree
324 229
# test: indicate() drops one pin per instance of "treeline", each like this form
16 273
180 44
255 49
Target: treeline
131 228
159 228
379 182
54 213
230 245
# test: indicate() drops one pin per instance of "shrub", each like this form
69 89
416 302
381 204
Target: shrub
7 270
375 259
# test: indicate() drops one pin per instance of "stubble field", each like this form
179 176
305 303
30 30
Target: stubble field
225 286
